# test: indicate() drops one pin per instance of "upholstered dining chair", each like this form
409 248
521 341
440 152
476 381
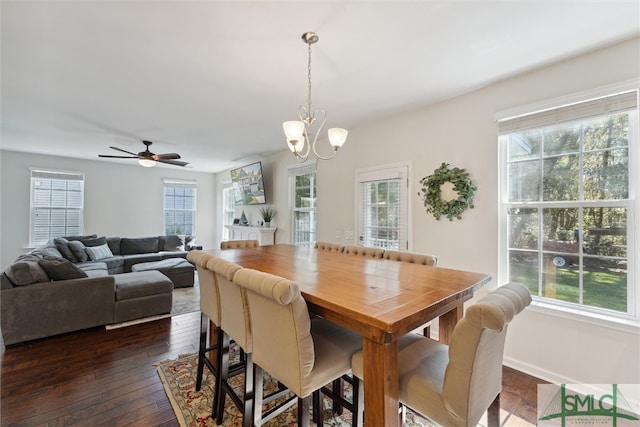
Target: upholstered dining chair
209 311
363 251
234 323
410 257
331 247
237 244
301 353
454 385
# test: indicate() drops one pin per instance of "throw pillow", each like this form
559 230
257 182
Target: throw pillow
61 269
96 241
99 252
26 271
47 251
62 245
114 245
172 243
78 249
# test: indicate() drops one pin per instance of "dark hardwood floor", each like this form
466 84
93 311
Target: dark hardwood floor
98 377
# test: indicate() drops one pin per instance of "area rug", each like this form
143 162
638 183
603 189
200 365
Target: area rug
186 300
193 408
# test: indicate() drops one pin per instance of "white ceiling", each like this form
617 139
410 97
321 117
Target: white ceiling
214 80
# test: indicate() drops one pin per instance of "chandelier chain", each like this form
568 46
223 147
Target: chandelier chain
309 84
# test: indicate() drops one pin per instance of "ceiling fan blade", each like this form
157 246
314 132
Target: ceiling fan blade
172 162
118 157
166 156
124 151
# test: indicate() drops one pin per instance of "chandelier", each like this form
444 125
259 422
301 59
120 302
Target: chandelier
296 131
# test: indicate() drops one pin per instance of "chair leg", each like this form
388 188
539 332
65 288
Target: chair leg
304 404
223 374
493 413
249 392
358 400
204 324
317 408
258 393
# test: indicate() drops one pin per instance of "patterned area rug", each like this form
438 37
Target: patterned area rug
193 408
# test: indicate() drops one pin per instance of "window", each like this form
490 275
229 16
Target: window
383 207
228 211
179 207
304 196
57 200
567 203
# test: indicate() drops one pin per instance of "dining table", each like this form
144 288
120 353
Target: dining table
380 299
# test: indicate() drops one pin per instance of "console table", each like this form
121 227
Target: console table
264 235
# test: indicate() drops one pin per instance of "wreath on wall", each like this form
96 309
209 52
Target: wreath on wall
431 192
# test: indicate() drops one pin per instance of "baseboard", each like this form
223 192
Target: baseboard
538 372
136 321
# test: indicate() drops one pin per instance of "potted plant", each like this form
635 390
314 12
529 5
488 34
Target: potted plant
267 213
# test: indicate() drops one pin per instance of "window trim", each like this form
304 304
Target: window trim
381 172
53 172
292 172
180 183
628 320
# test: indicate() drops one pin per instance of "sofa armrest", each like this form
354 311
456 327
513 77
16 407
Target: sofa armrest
50 308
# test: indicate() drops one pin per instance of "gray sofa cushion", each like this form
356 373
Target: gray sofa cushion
88 236
62 245
94 241
26 271
78 249
46 251
61 269
114 244
140 245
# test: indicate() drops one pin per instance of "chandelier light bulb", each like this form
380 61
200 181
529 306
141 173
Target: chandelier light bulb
337 137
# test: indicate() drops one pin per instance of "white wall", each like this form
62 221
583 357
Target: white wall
120 200
463 132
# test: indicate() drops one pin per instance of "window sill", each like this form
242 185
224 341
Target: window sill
616 323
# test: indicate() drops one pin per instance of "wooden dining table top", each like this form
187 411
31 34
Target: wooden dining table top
380 299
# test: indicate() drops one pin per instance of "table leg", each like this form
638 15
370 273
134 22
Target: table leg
380 364
447 322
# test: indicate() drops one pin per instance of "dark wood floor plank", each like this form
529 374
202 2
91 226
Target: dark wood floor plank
107 377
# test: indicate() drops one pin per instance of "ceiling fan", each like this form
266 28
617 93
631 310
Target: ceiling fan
147 158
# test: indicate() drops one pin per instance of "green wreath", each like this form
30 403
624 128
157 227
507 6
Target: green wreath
433 201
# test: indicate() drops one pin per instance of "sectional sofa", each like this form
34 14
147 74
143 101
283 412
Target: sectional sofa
80 282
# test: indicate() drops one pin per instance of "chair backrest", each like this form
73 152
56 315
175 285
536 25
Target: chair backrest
410 257
473 377
331 247
234 317
236 244
281 327
209 296
362 251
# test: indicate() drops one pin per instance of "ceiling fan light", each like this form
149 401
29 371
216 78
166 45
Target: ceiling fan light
147 163
337 137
